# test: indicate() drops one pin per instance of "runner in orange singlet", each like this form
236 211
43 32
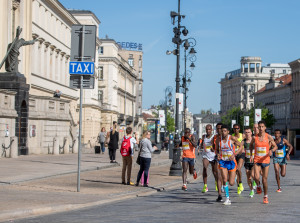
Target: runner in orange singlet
262 155
188 144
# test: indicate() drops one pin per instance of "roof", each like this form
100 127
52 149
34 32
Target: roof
146 116
286 79
211 118
84 12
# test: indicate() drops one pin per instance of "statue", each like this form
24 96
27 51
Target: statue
11 57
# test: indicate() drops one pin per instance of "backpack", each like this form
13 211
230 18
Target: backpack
125 147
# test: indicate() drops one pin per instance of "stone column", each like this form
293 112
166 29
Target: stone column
248 68
56 146
75 147
66 148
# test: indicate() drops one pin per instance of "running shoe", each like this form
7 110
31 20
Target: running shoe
254 185
219 199
279 190
205 189
130 183
241 187
251 193
266 201
258 190
216 183
239 190
184 187
227 201
195 174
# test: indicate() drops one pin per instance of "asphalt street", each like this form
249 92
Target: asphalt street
175 205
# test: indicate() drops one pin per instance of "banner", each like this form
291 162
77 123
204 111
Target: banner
257 115
232 123
162 117
180 97
246 121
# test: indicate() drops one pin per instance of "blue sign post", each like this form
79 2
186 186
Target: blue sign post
81 68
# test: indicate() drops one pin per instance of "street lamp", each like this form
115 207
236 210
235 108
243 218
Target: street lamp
175 169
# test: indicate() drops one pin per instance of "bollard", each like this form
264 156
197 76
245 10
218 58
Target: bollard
75 147
55 146
14 147
66 148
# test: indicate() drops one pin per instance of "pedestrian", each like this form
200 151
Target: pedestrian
146 148
113 144
263 145
127 151
102 139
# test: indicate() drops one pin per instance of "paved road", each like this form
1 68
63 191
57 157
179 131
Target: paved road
192 206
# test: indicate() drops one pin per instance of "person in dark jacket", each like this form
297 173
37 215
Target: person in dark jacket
113 144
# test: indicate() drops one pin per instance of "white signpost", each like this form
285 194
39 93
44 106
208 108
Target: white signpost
257 115
162 117
246 121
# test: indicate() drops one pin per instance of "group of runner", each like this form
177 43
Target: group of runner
228 153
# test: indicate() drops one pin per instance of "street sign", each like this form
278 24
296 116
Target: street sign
257 115
82 68
88 52
88 82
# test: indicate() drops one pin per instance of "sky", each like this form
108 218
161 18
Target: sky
225 30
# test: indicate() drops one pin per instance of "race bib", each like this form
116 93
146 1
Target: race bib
226 155
279 153
261 151
185 145
207 149
248 154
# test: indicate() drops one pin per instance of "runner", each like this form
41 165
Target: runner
281 156
240 158
248 164
208 157
226 156
188 144
219 186
262 157
255 132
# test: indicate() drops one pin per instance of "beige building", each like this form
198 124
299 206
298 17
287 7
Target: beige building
238 86
117 81
276 96
52 121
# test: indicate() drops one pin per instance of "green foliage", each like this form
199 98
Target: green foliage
203 111
170 123
237 114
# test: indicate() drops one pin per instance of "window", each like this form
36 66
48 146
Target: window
284 71
140 74
100 96
130 61
100 73
140 86
100 50
140 63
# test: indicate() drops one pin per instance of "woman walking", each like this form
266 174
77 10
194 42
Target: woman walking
145 153
113 144
102 138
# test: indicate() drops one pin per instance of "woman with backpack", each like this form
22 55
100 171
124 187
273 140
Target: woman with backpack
145 157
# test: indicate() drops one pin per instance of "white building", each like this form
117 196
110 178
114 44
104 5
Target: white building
202 120
238 86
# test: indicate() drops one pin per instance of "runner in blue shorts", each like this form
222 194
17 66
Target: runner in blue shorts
281 156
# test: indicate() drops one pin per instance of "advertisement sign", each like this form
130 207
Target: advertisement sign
161 114
246 121
257 115
180 97
232 123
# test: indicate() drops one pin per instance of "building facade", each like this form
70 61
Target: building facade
52 122
202 120
277 97
238 86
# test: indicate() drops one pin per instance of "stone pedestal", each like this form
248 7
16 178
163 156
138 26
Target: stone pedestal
55 146
15 81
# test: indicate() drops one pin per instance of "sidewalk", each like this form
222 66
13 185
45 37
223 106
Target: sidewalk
34 185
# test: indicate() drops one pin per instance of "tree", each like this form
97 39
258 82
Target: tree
170 123
237 114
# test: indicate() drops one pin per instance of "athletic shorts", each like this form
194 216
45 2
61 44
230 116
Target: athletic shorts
190 161
263 165
280 161
229 165
240 156
248 166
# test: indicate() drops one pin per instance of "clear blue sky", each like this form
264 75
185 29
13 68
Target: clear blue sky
225 30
